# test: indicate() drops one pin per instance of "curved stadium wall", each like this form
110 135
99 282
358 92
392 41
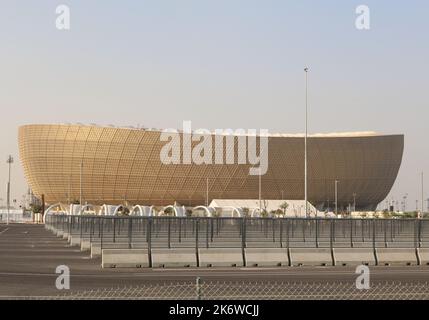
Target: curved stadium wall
122 165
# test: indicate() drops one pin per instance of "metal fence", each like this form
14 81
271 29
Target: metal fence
201 232
255 290
15 216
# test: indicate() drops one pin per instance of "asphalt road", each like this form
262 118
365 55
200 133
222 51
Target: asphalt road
29 256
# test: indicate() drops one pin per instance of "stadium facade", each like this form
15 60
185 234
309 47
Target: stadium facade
122 165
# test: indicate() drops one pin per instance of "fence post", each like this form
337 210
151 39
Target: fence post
207 232
243 239
80 226
130 231
180 230
420 232
332 243
101 231
303 229
274 230
287 234
91 229
211 229
385 233
69 225
114 229
169 232
373 241
351 232
196 241
281 233
198 288
317 233
149 240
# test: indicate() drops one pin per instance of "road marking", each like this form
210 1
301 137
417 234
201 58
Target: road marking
4 231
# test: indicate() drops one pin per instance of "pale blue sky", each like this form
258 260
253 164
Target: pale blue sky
221 64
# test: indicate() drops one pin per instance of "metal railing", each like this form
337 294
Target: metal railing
202 232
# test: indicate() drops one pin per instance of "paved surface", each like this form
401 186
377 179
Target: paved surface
29 256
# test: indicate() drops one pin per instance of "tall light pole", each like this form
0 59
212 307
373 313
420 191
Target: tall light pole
80 184
9 161
354 201
422 202
207 192
260 191
305 143
405 202
336 197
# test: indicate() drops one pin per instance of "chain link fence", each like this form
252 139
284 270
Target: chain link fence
255 290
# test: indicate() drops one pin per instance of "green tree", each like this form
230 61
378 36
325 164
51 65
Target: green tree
169 212
36 208
284 207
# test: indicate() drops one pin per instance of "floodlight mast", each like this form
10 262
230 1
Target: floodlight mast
306 69
9 161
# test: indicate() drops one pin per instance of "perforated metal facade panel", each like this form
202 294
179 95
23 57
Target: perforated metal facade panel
124 165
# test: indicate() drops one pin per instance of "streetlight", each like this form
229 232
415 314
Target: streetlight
336 197
207 192
9 161
405 202
80 184
354 201
305 142
260 190
422 203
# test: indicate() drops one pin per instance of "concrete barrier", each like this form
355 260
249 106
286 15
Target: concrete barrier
221 257
95 250
396 256
266 257
60 233
75 240
96 247
85 245
175 258
124 258
354 256
311 257
65 235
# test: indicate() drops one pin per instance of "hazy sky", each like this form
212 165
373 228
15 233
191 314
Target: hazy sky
221 64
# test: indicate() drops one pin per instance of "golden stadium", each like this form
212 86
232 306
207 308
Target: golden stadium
122 165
